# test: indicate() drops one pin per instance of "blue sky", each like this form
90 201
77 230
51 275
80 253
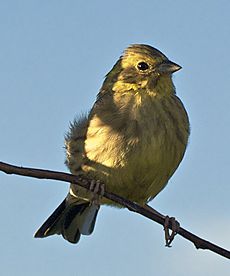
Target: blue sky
53 58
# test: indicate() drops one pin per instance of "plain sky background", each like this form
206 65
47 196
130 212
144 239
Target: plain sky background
53 58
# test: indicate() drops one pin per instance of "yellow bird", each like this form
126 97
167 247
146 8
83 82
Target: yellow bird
133 140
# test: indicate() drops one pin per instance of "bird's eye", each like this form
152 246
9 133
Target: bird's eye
142 66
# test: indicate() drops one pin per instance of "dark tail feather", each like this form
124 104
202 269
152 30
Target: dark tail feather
45 229
70 220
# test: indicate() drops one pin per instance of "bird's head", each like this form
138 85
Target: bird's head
142 67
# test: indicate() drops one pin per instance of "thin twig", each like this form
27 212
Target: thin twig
84 181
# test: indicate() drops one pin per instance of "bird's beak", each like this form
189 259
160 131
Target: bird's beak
168 67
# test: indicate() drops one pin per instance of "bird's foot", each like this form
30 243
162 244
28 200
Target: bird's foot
98 189
170 234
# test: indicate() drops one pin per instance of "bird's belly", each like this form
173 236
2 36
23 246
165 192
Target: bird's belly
136 157
137 172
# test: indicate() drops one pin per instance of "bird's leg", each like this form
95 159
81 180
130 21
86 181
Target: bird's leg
169 236
98 189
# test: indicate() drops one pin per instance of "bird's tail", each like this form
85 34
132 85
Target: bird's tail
70 220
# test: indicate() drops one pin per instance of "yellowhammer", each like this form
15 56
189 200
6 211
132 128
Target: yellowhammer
133 140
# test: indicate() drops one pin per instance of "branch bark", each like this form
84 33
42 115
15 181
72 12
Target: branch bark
198 242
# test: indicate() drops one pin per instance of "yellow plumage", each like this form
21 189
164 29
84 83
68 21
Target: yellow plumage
136 134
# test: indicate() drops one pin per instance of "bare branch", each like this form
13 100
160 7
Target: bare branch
85 182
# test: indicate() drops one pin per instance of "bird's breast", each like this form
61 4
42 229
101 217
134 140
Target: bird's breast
137 151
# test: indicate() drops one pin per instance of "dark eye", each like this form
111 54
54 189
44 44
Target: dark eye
142 66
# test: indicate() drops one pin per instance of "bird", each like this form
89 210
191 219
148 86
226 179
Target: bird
132 140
